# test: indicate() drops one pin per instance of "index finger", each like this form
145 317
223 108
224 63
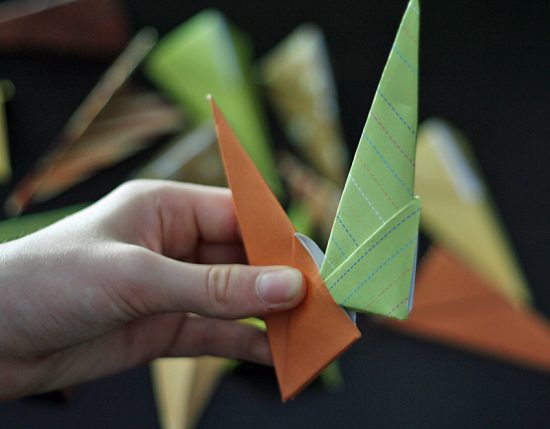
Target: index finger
188 215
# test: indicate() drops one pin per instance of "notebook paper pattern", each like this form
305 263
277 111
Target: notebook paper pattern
376 225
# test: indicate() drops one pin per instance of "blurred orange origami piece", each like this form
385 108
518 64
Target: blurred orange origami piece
114 122
455 305
304 340
472 294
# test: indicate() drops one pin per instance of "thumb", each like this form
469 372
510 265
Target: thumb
221 291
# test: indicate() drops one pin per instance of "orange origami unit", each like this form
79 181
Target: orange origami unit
472 295
304 340
455 305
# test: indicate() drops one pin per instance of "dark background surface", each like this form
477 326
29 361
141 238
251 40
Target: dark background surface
485 67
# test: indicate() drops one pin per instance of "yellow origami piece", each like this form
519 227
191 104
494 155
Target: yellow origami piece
183 387
457 211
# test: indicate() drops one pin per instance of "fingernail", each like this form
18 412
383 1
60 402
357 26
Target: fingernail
279 286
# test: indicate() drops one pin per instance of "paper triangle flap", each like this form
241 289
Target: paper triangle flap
306 339
377 276
319 331
458 288
485 323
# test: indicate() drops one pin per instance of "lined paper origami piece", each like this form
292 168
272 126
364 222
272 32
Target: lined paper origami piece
5 165
458 212
371 253
306 339
183 387
206 55
299 82
95 28
455 305
112 123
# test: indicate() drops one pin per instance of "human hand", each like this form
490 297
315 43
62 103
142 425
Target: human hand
131 278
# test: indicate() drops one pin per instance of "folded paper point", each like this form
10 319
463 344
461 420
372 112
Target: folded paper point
456 305
308 338
371 252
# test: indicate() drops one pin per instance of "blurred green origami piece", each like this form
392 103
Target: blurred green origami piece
205 55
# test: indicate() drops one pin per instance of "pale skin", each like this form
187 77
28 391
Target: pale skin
153 269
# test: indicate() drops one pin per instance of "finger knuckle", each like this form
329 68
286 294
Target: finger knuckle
135 190
130 294
134 186
219 285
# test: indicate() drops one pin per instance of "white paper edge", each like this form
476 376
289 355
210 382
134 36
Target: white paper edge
318 256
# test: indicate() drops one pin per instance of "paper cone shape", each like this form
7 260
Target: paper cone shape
133 120
371 253
454 305
299 83
458 213
306 339
183 387
206 55
112 123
